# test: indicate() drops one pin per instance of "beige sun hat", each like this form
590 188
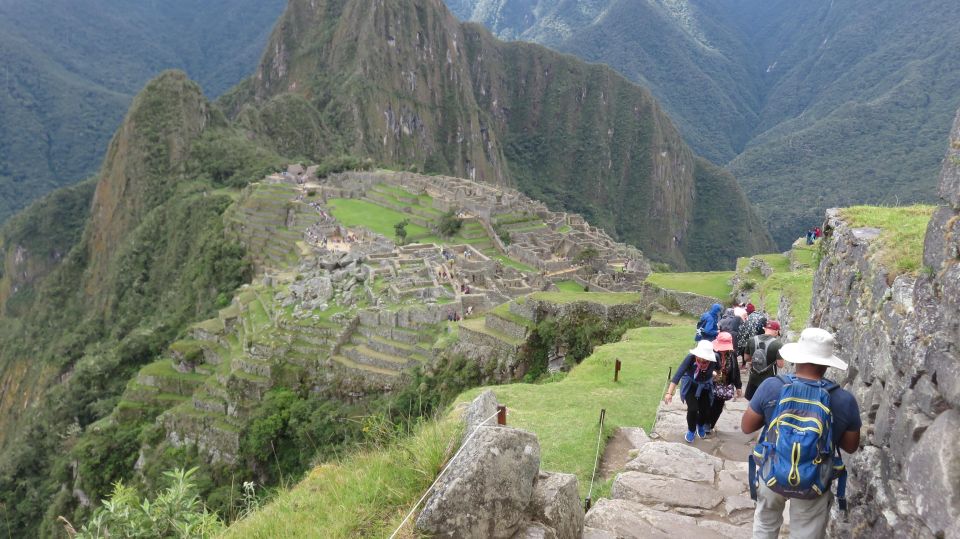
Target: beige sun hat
815 346
704 350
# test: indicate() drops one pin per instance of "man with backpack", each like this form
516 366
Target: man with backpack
806 420
751 327
707 325
763 356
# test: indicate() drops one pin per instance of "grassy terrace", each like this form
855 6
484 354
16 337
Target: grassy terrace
900 246
360 213
714 284
507 261
564 414
604 298
368 493
569 286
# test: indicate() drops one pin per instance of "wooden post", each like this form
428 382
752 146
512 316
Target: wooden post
603 415
586 505
616 371
501 415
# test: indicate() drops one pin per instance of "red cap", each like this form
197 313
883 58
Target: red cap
773 324
750 308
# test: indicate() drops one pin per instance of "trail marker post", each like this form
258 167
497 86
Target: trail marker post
501 415
616 371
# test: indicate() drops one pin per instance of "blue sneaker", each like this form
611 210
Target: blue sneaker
688 437
701 431
707 430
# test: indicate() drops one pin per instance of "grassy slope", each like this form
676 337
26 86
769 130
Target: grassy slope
367 494
900 246
715 284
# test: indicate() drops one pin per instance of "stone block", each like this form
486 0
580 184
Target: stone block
654 489
534 530
480 409
556 504
933 474
486 492
676 460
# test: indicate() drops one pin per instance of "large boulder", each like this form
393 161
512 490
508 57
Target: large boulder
486 492
556 504
630 520
482 407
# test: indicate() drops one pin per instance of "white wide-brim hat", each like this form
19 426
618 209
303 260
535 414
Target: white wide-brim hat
815 346
704 350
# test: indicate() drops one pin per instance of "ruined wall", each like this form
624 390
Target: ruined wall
901 340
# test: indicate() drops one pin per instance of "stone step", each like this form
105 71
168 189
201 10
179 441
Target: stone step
387 346
401 335
252 366
631 520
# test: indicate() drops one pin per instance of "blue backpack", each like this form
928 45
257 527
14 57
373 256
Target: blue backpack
795 455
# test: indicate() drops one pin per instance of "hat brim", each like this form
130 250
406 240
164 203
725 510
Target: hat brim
696 353
795 353
722 347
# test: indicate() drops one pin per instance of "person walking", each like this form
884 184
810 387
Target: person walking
726 383
763 356
707 325
731 324
695 378
751 327
806 419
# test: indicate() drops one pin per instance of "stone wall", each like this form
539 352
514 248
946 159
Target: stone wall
900 337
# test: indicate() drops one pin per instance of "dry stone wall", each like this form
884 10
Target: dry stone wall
900 337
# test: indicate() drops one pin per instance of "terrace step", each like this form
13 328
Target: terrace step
350 364
365 355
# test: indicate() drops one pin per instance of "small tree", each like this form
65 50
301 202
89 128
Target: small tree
175 512
449 224
588 257
400 230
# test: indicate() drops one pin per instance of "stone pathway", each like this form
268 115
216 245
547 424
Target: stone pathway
671 488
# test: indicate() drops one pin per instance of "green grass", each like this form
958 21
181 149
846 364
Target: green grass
509 262
667 319
899 248
805 255
777 261
360 213
364 495
797 286
714 284
569 286
564 414
603 298
503 311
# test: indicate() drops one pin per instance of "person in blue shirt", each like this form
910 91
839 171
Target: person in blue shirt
695 378
707 328
812 355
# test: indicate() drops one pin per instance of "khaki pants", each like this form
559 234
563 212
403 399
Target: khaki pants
808 518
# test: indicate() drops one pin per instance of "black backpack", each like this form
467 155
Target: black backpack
759 363
727 324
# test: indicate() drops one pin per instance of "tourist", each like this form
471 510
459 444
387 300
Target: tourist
695 378
817 233
731 324
763 356
726 383
751 327
805 398
707 326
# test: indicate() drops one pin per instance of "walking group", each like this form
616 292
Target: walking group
804 419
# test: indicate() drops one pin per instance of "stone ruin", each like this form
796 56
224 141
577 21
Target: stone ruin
900 337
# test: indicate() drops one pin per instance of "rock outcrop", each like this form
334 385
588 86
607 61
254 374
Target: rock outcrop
494 487
900 337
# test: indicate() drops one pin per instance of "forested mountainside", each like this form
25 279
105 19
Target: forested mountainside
71 68
406 84
99 279
810 104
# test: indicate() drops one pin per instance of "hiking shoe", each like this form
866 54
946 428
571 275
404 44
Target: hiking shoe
701 432
688 437
707 429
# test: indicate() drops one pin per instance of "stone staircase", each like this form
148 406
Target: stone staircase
673 489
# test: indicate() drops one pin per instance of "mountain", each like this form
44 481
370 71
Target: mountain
842 101
111 288
71 69
408 85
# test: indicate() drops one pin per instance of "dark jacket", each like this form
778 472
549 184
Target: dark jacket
707 326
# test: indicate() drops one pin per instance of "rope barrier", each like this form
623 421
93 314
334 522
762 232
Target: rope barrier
440 475
596 460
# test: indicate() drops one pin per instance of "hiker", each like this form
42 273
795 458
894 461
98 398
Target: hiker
763 356
695 377
810 237
726 383
817 233
707 325
731 324
799 456
752 326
